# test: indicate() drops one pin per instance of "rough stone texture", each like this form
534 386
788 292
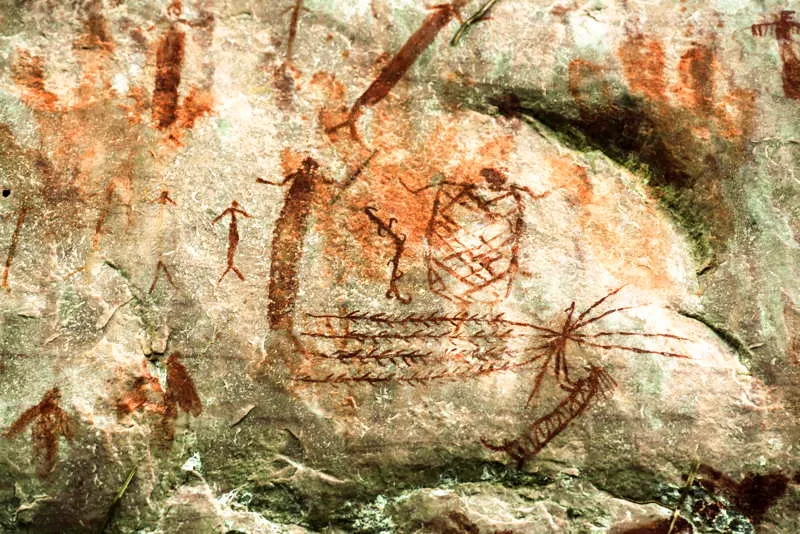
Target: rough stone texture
277 344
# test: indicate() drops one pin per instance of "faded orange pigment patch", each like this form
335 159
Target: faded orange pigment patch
638 256
27 71
349 232
495 151
399 150
583 76
696 71
329 88
94 154
118 192
96 34
139 105
573 179
90 145
560 10
95 84
333 107
736 114
401 154
291 160
643 66
732 113
637 253
196 104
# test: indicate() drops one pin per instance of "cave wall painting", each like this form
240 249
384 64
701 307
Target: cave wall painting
470 245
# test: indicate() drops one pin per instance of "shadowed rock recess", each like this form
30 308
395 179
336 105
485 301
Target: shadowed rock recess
378 266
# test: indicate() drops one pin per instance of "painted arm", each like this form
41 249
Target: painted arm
24 420
530 193
220 216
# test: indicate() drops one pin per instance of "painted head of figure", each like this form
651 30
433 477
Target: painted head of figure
310 165
494 178
52 396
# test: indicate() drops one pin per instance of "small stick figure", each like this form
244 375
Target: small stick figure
233 237
164 198
50 422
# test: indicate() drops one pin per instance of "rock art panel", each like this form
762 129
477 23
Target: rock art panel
497 267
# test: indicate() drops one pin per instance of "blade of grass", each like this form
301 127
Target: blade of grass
684 493
118 498
474 19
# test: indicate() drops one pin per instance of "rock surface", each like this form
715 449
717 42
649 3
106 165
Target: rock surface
312 268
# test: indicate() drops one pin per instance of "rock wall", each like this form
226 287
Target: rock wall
380 266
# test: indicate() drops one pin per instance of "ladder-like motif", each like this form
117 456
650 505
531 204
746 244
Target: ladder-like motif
473 237
544 429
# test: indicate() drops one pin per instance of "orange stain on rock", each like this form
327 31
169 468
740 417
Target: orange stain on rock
496 150
291 160
696 73
582 75
736 114
198 103
144 392
27 71
419 162
401 150
730 114
333 109
94 135
329 88
139 105
97 35
639 256
643 66
573 179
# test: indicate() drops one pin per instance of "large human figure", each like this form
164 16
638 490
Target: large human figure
48 423
783 27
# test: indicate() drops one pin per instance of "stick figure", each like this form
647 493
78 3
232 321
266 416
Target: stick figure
164 199
233 237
